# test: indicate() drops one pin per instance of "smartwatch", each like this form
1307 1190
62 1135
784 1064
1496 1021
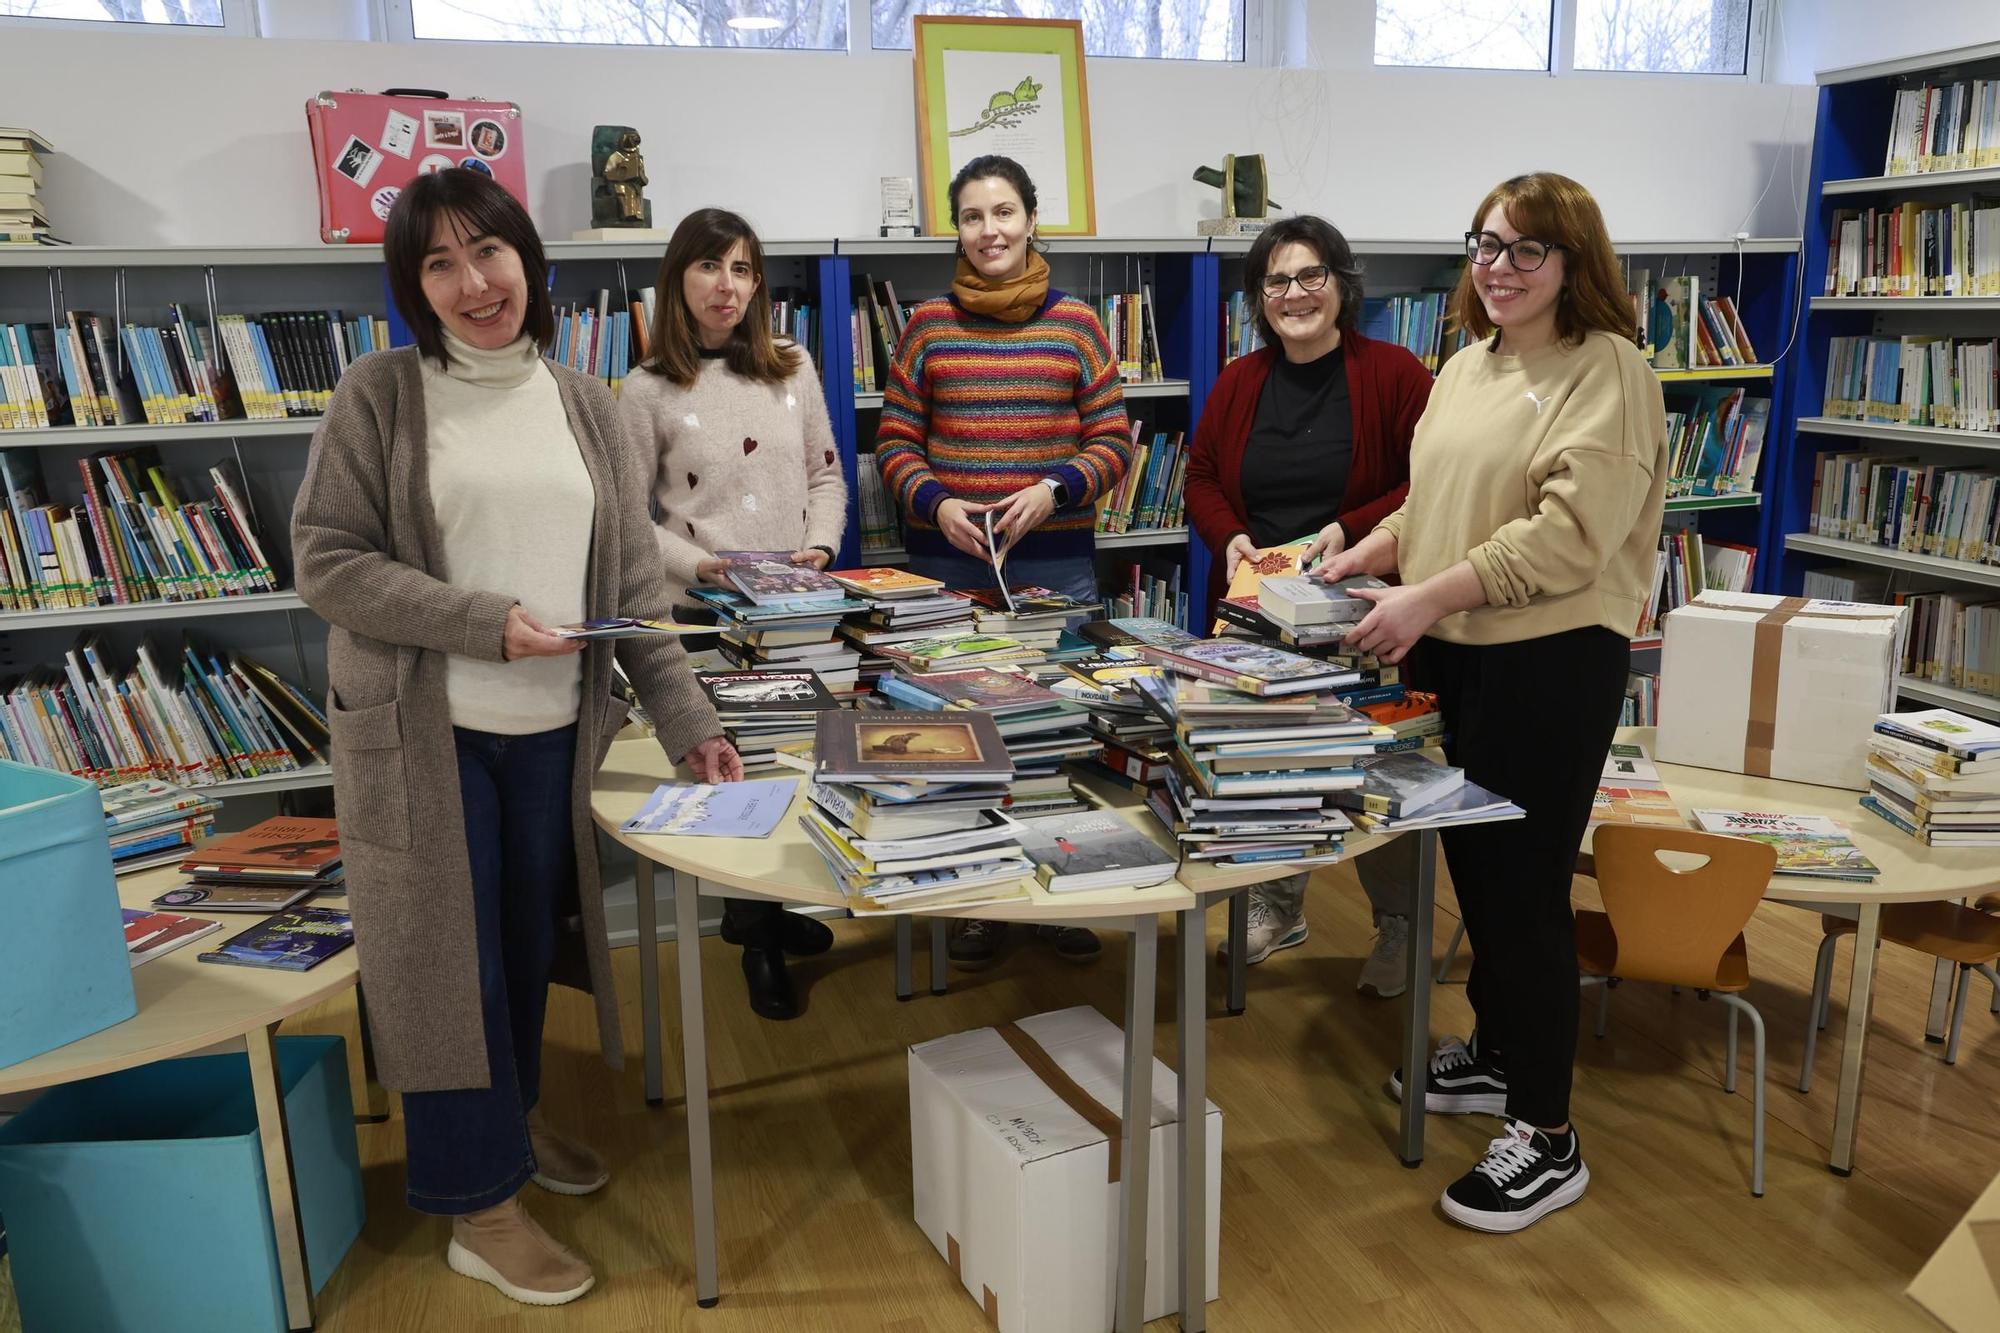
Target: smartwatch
1057 490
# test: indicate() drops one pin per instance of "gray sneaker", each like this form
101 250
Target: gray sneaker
1387 970
1271 929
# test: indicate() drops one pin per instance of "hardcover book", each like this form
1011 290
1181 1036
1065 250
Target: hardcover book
1250 667
715 810
283 847
1136 631
1029 599
293 941
764 693
234 897
1401 784
987 690
1094 850
1294 599
885 583
769 577
881 746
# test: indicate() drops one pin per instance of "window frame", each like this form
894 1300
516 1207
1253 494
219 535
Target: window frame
1562 53
398 23
1261 47
239 19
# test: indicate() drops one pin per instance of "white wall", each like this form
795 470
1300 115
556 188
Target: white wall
1828 34
203 140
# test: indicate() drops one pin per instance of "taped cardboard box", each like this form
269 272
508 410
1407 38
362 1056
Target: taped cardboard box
1777 687
1013 1150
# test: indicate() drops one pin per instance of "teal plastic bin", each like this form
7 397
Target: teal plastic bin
63 969
136 1201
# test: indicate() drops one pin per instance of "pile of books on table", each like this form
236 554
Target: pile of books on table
897 607
958 651
1935 775
1039 727
764 712
1034 617
154 823
1308 612
905 808
266 867
786 634
1416 789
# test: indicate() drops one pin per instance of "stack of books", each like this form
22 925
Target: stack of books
905 809
1040 728
958 651
898 607
1033 616
1413 717
786 636
266 867
1307 607
1134 738
1416 789
23 221
1935 775
154 823
764 712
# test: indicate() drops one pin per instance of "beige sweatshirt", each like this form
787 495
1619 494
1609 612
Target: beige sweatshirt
1548 472
514 505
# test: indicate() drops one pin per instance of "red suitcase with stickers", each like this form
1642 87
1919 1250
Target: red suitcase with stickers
368 146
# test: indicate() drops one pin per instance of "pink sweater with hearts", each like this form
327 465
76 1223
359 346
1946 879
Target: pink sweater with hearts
738 466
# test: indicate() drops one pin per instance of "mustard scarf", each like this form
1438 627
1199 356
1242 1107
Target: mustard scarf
1011 301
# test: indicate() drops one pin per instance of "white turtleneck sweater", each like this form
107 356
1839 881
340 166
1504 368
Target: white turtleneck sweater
514 503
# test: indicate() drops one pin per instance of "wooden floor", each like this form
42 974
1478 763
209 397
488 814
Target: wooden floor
1322 1228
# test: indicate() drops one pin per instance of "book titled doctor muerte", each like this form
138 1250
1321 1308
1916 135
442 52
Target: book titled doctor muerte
292 941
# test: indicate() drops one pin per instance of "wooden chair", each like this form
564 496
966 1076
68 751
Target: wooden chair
1680 927
1968 937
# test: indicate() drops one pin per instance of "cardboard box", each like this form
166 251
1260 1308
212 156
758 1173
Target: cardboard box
1777 687
1015 1184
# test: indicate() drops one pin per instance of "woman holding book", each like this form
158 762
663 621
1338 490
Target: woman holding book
1525 548
461 496
1003 401
1309 434
734 429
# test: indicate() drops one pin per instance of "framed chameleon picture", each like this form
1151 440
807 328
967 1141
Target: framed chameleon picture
1013 87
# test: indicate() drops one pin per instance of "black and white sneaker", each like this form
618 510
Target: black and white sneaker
1460 1081
1526 1176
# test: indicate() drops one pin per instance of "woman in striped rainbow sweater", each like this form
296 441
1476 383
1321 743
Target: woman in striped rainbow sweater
1005 397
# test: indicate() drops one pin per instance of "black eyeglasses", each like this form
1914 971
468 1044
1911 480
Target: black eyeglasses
1309 280
1526 254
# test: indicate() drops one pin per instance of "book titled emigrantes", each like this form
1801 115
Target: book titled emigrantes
293 941
912 746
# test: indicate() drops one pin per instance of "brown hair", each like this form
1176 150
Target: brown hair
1556 211
1323 239
477 205
708 233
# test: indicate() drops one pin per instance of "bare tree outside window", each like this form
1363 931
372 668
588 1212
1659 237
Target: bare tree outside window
181 13
1463 34
1663 36
811 25
1155 29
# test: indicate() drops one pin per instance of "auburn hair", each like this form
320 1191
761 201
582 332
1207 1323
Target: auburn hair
752 351
1559 212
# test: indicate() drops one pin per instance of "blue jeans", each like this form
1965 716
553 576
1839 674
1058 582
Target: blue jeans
1066 574
468 1148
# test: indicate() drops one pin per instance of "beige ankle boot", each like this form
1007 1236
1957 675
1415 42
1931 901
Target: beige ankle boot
561 1166
503 1246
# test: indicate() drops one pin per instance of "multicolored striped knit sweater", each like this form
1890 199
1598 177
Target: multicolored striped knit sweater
976 409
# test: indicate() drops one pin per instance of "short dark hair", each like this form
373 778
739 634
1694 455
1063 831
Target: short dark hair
478 205
992 165
752 352
1325 241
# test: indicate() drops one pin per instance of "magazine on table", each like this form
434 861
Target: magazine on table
150 934
293 941
1810 845
715 809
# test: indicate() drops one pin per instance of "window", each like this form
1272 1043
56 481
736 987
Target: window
1663 36
1463 34
1157 29
174 13
814 25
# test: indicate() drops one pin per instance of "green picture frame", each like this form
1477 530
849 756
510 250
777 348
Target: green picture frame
1013 87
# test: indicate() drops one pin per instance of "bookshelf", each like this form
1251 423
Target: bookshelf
1851 144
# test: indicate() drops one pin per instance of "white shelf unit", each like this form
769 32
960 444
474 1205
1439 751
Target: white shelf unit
1891 433
1947 696
1860 553
135 613
1933 304
94 437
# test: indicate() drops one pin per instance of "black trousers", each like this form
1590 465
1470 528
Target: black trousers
754 921
1531 721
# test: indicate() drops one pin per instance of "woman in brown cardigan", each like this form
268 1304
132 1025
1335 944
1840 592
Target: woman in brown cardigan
461 495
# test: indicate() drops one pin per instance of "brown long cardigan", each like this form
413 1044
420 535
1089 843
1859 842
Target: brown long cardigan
370 560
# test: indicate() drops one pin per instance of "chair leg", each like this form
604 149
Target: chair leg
1729 1075
1993 980
1735 1004
1816 1008
1958 1014
1458 936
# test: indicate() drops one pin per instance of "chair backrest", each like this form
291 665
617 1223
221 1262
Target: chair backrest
1674 926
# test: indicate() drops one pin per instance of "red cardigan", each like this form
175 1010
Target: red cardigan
1387 388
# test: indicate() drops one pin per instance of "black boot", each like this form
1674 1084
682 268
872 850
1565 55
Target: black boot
771 994
802 936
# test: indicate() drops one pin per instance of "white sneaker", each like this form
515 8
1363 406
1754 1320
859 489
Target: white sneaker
1270 930
1387 970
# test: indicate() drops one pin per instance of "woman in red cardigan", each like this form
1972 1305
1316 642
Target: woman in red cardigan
1309 434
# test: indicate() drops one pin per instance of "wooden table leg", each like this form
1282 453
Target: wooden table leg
374 1100
1417 1001
694 1063
1191 1021
1136 1126
274 1135
649 975
1860 997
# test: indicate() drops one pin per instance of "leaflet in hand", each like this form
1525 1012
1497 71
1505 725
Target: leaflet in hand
715 810
627 627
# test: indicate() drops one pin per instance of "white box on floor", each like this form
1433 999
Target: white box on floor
1777 687
1014 1185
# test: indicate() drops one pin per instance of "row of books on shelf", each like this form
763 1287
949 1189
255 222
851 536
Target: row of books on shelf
1138 593
1689 564
1921 508
1914 380
1642 700
1683 330
881 527
1915 249
1715 439
1954 639
1149 495
1944 127
1240 334
131 538
195 718
1418 321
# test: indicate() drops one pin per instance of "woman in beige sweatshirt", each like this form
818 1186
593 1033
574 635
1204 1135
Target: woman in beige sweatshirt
1537 482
